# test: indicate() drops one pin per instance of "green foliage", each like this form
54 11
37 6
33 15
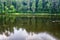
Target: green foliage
6 9
40 4
18 6
12 9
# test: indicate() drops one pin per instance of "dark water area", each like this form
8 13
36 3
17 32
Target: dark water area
29 28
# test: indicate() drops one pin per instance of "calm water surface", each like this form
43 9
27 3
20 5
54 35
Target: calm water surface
29 28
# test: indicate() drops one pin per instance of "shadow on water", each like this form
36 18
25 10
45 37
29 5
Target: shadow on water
30 24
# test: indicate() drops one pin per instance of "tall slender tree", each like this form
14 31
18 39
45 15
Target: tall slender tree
43 4
36 5
30 5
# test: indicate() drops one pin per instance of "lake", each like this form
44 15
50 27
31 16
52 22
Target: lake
29 28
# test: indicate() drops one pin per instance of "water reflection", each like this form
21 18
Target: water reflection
22 34
35 25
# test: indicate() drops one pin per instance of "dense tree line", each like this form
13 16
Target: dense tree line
12 6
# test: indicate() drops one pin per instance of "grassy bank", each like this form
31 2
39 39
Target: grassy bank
44 15
33 13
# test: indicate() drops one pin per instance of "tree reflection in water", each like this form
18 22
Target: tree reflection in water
30 24
22 34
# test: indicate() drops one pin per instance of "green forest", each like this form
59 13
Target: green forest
34 16
29 6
